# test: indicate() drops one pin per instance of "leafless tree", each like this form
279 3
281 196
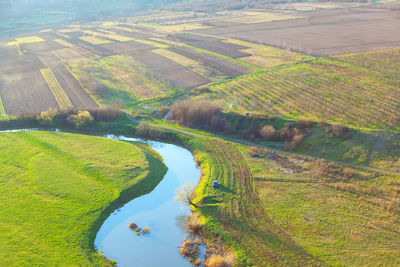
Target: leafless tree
185 194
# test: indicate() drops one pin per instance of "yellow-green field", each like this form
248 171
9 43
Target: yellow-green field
55 87
266 56
121 78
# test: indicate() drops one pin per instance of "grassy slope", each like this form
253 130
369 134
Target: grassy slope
275 210
273 217
322 89
369 148
56 188
342 221
234 210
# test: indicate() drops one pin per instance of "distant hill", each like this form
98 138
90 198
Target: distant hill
22 7
19 16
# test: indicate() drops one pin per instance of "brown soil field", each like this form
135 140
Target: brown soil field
46 46
78 97
169 71
49 59
125 47
212 44
68 55
135 34
16 64
75 35
90 50
323 33
86 50
7 53
26 93
226 67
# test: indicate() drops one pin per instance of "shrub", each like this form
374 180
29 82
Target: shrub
324 169
339 131
220 261
163 111
189 248
194 224
348 173
268 132
197 262
106 114
304 124
287 132
47 117
82 118
201 115
133 226
295 142
250 133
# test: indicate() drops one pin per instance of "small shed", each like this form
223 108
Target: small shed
215 184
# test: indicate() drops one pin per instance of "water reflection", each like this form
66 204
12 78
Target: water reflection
157 211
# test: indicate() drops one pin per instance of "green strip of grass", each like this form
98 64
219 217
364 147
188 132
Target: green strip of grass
57 189
2 110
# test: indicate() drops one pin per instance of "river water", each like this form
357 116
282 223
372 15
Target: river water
158 211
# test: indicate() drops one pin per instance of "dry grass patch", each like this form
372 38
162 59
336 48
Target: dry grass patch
220 261
63 42
26 40
108 34
182 60
95 40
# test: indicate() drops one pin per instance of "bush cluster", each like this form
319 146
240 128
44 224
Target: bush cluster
292 133
202 115
339 131
77 118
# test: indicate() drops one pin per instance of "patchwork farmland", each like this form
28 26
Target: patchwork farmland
110 64
291 111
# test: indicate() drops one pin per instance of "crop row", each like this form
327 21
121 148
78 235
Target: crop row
320 91
55 87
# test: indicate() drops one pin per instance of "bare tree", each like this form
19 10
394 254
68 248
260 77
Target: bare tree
185 194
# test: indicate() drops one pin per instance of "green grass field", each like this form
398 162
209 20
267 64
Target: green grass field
283 210
57 188
342 221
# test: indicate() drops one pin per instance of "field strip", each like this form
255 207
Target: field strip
2 110
63 42
55 87
109 35
20 52
182 60
95 40
26 40
63 35
96 100
225 57
153 43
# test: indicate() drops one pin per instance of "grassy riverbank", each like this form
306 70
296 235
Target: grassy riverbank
57 188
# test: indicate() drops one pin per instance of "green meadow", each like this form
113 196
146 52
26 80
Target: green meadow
57 188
